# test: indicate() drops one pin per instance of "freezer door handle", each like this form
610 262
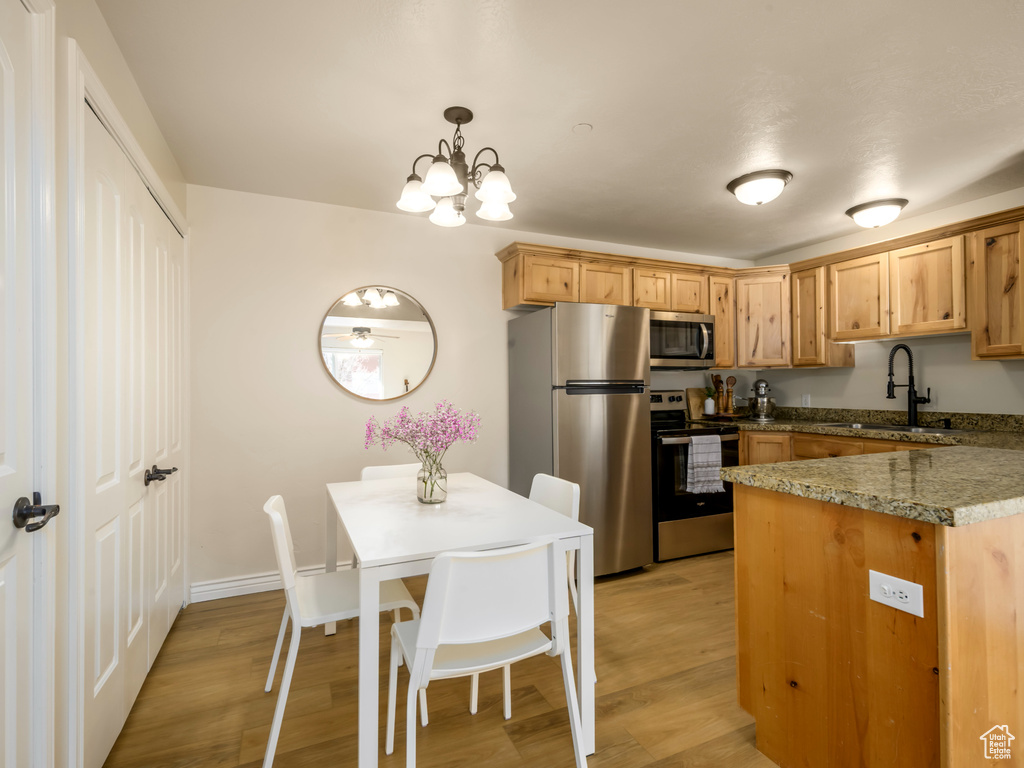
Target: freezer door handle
606 389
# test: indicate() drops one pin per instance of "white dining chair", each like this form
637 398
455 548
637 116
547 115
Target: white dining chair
311 601
564 497
483 611
385 471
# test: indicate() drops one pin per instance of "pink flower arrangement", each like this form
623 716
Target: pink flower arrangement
428 434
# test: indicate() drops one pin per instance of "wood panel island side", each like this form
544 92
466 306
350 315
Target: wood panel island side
834 678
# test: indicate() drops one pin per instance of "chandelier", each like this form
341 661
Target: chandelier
449 177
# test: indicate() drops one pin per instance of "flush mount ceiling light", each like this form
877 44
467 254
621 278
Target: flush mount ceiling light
449 177
759 187
877 214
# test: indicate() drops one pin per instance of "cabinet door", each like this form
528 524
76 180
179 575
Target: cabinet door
723 307
689 292
606 284
926 287
996 296
549 279
762 328
766 447
811 346
652 289
859 298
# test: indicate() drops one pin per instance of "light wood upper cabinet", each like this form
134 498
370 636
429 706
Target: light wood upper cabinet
606 284
859 298
652 288
529 278
926 288
811 346
762 320
723 307
689 292
996 298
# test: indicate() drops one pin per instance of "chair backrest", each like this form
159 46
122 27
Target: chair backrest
477 596
282 535
386 471
557 494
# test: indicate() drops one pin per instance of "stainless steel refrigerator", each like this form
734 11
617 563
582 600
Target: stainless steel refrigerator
579 410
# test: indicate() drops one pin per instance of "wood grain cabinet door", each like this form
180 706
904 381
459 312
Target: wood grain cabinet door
762 327
606 284
859 298
811 346
723 307
926 287
689 292
766 447
547 279
995 297
652 289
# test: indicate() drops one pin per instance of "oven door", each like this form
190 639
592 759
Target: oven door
688 523
682 340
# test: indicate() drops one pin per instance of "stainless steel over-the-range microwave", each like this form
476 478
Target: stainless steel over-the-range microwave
681 340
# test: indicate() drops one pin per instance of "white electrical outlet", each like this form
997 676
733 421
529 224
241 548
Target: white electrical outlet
805 401
900 594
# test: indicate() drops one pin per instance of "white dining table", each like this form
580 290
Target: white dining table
393 535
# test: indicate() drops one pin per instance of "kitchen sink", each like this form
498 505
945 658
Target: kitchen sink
896 428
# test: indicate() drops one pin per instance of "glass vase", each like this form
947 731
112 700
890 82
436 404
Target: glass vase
431 485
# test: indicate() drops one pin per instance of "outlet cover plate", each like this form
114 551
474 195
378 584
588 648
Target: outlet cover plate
898 593
805 401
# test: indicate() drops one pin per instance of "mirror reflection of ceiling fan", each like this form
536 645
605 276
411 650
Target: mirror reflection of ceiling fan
361 337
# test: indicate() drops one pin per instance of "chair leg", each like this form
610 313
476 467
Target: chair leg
571 701
507 686
396 660
572 581
277 651
410 725
282 696
474 693
423 707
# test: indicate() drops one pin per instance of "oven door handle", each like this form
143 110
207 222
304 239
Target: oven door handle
706 341
687 441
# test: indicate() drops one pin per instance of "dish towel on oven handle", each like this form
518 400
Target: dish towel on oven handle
704 465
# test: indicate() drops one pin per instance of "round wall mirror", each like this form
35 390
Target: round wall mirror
378 343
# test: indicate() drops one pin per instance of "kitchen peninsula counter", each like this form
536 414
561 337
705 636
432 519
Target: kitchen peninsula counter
834 678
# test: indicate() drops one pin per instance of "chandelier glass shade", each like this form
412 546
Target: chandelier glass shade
449 177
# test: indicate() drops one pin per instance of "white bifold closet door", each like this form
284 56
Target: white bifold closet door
132 403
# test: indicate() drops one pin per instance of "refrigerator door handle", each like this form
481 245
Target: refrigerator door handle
606 389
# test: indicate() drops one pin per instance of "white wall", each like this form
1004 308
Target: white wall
266 418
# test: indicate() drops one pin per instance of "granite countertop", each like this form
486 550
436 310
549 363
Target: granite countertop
950 486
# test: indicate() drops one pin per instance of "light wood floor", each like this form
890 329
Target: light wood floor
666 691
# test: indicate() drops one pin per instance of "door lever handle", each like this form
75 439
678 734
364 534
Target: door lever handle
154 474
25 511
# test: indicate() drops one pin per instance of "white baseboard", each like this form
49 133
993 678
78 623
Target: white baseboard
201 591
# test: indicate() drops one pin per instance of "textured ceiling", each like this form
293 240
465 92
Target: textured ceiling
330 101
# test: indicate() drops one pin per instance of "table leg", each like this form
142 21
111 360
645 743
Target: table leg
369 672
330 549
586 679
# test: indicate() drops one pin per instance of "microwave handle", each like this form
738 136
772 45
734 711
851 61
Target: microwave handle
705 339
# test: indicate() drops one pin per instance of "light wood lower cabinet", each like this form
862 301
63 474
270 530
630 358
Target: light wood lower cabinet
996 305
765 447
606 284
926 288
811 346
762 324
